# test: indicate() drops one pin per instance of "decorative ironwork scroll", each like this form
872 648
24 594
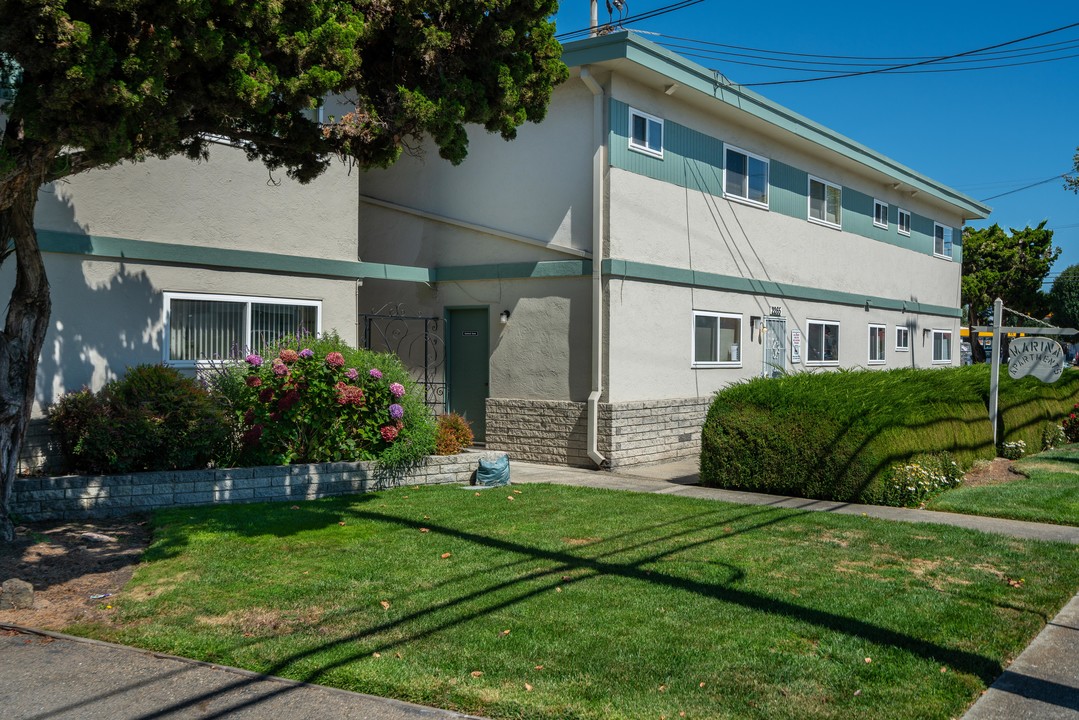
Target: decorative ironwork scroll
417 340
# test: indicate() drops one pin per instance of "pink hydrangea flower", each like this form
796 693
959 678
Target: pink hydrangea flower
253 381
389 432
348 394
288 355
279 368
397 389
335 359
375 373
352 373
253 360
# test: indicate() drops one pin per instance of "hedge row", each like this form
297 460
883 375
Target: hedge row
836 435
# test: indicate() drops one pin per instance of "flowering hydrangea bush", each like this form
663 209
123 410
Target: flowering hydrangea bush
302 402
1071 425
911 484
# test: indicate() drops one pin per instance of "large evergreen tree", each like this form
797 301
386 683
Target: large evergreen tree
98 82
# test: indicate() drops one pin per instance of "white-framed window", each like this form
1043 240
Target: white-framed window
717 339
903 222
942 241
880 214
645 133
942 346
877 335
902 338
822 342
825 202
201 327
745 177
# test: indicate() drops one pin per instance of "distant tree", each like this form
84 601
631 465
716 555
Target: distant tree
1009 266
1072 181
92 84
1064 298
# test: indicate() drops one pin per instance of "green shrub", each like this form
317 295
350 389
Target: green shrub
837 435
454 434
307 399
153 418
1070 425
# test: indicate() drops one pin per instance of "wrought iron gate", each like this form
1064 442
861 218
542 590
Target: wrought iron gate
417 340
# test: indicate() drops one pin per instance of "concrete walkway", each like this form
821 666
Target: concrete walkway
47 676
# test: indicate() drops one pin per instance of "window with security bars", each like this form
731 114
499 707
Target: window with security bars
215 327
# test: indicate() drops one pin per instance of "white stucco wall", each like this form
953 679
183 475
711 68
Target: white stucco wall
537 186
651 338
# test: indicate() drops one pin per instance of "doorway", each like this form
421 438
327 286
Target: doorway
468 354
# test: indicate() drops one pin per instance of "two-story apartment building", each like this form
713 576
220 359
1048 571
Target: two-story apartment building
661 234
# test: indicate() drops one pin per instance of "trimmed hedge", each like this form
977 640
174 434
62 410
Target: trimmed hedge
837 435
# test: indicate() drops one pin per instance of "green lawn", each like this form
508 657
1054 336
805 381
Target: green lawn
1049 493
578 603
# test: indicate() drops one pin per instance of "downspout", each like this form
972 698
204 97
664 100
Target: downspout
597 267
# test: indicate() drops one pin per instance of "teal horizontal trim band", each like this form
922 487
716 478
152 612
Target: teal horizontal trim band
143 251
514 271
753 286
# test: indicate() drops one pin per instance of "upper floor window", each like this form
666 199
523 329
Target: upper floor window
717 339
880 214
822 342
942 240
645 133
903 222
746 177
214 327
825 202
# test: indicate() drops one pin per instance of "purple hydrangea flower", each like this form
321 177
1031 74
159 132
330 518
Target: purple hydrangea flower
280 369
396 411
307 353
253 360
397 389
352 373
375 373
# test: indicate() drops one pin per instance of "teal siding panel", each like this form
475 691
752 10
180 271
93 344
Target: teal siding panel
921 234
790 190
957 244
690 158
858 214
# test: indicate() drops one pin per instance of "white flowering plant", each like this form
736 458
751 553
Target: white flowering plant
1013 450
912 484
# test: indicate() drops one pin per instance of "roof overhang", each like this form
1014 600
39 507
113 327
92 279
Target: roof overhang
631 55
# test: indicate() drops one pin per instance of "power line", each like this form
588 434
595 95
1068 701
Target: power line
915 64
1025 187
657 12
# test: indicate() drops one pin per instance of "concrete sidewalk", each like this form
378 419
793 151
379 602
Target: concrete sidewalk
49 676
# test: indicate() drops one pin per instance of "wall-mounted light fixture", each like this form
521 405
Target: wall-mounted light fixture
504 317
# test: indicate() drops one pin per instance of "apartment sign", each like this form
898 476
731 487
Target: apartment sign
1038 356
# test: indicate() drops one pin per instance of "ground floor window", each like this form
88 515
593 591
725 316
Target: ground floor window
822 342
942 346
877 335
902 338
207 327
717 339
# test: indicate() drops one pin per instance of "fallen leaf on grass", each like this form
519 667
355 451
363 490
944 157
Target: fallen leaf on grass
424 530
341 523
505 632
539 667
857 693
476 673
528 688
446 555
701 685
558 589
477 494
385 604
510 497
663 688
376 655
397 655
426 517
943 669
1015 583
869 660
294 507
517 491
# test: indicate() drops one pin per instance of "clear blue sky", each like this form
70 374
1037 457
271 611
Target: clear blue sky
982 132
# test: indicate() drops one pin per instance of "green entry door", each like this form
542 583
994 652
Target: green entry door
468 353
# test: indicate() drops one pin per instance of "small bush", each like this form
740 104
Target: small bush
912 484
1053 436
454 434
1070 425
307 399
154 418
1013 450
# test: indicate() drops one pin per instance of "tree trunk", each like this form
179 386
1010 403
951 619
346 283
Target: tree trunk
24 333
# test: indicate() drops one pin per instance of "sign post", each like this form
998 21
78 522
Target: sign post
994 372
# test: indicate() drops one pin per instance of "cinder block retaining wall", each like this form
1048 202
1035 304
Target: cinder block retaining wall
75 497
630 433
